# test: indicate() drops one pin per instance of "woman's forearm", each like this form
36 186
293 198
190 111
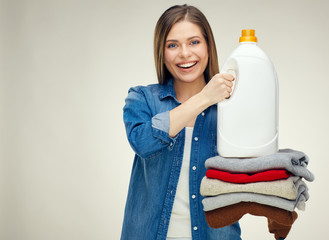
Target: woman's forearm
182 115
216 90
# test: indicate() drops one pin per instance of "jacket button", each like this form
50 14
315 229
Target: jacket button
195 228
196 139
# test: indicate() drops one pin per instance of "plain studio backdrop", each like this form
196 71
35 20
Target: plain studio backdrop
66 67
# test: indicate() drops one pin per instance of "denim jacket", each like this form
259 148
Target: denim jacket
157 165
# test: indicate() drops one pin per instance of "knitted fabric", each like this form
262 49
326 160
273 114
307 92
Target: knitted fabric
285 188
279 221
222 200
293 161
269 175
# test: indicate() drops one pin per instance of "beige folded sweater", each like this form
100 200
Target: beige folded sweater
285 188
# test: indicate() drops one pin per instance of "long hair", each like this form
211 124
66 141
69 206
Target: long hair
174 15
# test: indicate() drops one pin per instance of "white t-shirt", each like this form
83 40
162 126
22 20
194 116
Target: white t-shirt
180 220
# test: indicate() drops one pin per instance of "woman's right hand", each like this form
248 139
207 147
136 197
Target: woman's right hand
218 88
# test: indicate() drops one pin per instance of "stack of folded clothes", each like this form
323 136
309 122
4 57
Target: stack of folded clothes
271 186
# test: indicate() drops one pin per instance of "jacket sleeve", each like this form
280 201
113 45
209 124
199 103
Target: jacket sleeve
147 134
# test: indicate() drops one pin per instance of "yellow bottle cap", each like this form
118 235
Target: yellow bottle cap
248 35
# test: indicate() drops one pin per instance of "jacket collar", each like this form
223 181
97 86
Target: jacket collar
168 90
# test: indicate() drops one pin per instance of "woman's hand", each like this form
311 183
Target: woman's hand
218 88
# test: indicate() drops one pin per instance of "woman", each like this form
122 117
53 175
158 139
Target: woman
171 126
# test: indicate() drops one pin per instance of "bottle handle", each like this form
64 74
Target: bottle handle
231 67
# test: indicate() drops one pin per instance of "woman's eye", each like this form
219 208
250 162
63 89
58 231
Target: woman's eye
195 42
172 45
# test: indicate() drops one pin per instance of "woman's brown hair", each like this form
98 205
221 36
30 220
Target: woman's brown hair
174 15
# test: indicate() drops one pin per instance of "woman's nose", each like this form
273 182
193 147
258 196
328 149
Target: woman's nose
185 51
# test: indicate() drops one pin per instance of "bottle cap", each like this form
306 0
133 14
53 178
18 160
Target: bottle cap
248 35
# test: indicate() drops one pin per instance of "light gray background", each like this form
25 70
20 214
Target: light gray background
66 67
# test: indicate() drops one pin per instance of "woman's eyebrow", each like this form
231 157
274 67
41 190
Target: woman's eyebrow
174 40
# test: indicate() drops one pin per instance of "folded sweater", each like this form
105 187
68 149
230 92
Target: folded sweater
293 161
222 200
279 221
285 188
267 175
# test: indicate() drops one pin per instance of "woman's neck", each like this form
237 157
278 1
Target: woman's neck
185 90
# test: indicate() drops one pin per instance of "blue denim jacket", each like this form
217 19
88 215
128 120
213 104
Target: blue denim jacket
158 162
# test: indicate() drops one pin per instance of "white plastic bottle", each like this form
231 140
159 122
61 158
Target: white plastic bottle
248 120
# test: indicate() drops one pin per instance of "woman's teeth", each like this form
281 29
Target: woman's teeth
186 65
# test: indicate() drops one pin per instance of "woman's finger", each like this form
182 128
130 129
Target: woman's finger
227 76
229 83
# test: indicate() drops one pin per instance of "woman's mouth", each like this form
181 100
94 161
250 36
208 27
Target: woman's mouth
187 65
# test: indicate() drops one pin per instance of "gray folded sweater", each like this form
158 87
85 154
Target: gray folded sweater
293 161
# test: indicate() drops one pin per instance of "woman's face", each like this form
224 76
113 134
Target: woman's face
186 52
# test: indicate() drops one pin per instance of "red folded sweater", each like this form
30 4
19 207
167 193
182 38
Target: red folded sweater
269 175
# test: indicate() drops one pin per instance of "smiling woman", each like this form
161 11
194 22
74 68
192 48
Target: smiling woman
171 126
164 26
186 54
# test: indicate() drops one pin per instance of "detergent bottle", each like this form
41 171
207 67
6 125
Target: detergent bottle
248 119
